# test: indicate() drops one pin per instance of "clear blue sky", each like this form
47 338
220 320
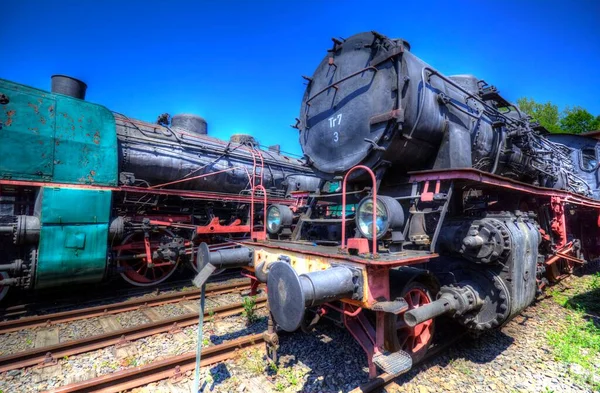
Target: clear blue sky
238 63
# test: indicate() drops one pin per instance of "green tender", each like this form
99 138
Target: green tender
51 137
74 236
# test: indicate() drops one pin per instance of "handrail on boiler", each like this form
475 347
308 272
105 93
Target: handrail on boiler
374 231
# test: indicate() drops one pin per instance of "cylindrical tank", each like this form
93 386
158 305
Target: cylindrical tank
190 123
157 155
68 86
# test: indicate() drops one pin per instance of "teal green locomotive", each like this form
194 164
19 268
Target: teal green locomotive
86 192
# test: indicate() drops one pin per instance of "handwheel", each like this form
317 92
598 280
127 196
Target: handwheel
398 335
131 259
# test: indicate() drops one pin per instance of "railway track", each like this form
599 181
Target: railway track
173 367
30 304
49 354
115 308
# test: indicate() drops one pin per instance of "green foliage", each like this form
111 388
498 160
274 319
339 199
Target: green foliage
595 282
279 386
205 342
575 120
250 309
546 114
290 376
252 361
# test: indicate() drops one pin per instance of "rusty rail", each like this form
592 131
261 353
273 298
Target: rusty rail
115 308
172 367
39 355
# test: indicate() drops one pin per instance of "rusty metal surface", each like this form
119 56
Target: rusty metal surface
142 375
74 347
66 316
53 137
387 260
499 181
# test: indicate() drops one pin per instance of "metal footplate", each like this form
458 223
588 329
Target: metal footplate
393 363
395 306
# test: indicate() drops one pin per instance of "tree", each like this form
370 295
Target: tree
577 120
546 114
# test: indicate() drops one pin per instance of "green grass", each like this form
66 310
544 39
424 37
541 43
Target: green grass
577 341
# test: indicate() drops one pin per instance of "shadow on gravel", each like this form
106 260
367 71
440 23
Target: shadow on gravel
481 349
337 363
219 374
334 359
588 303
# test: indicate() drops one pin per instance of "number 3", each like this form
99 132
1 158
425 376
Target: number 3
335 136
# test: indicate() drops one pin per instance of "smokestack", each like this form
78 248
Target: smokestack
68 86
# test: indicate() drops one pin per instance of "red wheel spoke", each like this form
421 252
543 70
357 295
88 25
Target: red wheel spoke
416 338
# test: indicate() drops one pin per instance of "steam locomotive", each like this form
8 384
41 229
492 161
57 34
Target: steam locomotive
85 192
439 197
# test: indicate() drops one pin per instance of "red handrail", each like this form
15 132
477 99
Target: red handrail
264 232
370 172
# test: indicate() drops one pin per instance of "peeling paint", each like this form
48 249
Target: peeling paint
35 108
9 114
97 137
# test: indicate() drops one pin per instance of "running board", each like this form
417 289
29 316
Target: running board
395 363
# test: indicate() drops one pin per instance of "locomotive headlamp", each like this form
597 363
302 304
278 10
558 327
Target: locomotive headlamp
278 217
389 216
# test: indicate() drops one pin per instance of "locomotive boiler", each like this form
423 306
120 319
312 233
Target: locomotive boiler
439 197
85 192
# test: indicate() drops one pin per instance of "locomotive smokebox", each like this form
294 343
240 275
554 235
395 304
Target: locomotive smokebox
290 294
68 86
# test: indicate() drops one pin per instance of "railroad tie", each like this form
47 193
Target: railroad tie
46 337
110 323
192 307
152 315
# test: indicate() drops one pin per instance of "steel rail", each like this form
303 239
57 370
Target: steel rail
39 355
174 366
129 305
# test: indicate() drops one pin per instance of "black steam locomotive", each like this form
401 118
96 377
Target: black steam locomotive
86 192
441 198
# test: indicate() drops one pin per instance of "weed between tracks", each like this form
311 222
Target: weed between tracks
250 309
577 341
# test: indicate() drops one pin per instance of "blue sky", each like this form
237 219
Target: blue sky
238 63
